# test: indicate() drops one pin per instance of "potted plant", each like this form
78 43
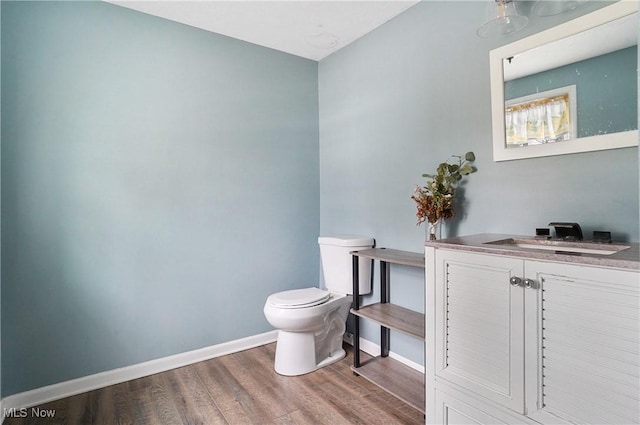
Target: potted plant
435 199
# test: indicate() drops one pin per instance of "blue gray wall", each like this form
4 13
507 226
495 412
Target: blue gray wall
158 183
404 98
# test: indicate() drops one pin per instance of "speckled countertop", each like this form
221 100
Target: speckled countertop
626 258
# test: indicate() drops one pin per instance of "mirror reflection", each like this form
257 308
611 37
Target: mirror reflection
577 87
605 111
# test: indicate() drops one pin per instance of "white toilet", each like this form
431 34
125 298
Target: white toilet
311 321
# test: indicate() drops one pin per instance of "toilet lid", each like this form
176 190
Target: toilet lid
298 298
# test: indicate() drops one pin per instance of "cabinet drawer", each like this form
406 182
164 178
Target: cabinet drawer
455 408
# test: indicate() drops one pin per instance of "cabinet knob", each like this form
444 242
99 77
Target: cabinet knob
529 283
515 281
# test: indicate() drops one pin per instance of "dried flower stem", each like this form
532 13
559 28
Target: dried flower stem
435 200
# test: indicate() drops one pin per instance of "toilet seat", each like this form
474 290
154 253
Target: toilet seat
299 298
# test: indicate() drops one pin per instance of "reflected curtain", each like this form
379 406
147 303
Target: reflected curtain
540 121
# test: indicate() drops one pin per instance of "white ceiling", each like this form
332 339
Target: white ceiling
311 29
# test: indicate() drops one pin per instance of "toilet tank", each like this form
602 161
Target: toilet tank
337 263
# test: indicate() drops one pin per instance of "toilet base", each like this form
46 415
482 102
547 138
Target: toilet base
296 354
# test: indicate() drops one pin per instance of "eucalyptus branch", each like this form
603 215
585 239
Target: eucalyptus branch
435 199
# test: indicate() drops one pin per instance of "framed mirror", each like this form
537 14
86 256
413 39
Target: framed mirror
572 88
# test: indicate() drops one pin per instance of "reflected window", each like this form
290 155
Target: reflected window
544 117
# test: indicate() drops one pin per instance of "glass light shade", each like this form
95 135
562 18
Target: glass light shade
555 7
504 19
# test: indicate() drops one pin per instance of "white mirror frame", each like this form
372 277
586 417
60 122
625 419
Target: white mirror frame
584 144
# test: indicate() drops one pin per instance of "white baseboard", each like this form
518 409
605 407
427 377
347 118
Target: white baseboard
374 350
406 361
116 376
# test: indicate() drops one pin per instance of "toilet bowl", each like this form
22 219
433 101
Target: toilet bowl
309 337
311 321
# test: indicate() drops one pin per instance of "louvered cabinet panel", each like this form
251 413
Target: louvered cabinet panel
454 407
479 324
458 409
583 344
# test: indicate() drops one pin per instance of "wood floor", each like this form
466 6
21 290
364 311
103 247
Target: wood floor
240 388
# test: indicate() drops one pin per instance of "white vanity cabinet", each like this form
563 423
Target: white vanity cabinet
517 340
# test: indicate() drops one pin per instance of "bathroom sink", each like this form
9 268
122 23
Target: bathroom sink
561 247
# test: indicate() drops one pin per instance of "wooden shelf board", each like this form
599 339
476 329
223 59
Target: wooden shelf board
394 317
396 378
394 256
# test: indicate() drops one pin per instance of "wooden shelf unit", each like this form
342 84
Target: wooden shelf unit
391 375
394 317
396 378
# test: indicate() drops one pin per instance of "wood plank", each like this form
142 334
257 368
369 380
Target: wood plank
268 401
394 317
236 405
192 398
141 401
109 405
163 408
394 256
396 378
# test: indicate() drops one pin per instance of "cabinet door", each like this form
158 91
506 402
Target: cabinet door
479 341
582 344
460 410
